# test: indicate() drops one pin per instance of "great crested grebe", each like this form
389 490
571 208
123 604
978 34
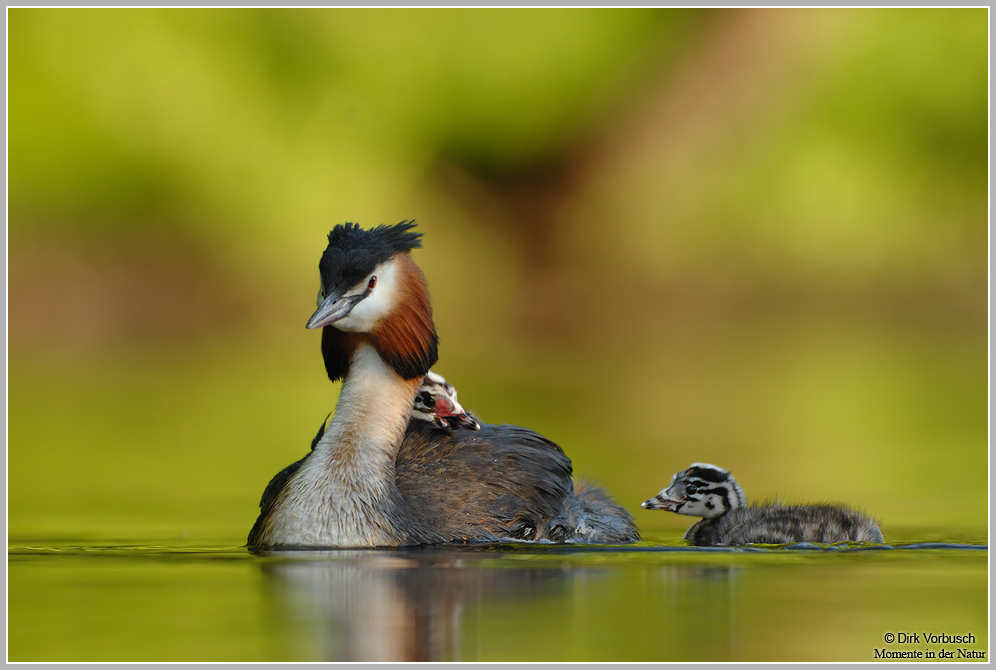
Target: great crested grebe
377 478
712 493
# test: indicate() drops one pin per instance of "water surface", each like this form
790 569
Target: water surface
658 600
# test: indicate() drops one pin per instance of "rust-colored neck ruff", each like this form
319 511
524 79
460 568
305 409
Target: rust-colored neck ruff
407 339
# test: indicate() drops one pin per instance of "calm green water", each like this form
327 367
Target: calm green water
654 601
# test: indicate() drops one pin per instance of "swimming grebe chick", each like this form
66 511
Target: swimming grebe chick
712 493
375 477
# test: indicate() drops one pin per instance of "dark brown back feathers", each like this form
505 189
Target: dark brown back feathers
497 482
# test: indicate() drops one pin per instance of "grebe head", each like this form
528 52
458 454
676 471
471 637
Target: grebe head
371 290
436 402
702 490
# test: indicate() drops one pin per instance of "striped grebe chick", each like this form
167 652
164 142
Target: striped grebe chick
436 403
377 476
712 493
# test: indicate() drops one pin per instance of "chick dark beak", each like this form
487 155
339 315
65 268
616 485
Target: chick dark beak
464 421
334 308
669 504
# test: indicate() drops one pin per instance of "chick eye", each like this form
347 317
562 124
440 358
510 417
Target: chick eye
372 282
690 489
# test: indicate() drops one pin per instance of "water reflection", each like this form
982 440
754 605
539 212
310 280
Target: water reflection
445 605
392 606
703 602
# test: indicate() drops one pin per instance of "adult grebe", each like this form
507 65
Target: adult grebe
377 478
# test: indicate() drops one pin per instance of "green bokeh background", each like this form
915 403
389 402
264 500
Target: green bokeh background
756 238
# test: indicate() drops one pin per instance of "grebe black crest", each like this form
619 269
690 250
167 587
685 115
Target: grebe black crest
712 493
400 462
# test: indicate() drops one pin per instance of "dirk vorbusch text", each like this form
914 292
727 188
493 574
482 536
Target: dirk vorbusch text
922 638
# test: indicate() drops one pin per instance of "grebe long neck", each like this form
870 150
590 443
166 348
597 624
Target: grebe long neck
345 494
371 416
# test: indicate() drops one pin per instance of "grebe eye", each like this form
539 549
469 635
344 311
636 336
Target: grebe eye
372 282
690 490
321 295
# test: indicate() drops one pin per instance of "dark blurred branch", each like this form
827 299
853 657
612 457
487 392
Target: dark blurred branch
698 105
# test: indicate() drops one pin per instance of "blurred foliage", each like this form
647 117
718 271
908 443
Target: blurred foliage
751 237
867 171
263 118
